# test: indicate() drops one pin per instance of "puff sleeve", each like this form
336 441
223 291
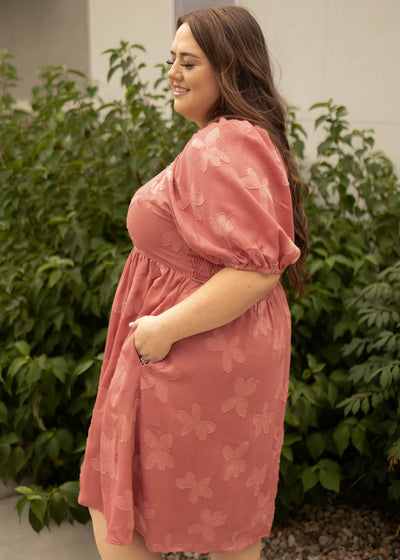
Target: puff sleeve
231 199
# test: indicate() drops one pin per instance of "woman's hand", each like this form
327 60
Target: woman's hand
220 300
151 340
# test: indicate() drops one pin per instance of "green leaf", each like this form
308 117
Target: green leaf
341 437
54 277
355 406
324 104
290 439
385 378
80 514
309 478
320 120
358 439
324 147
65 439
11 437
16 365
40 503
17 459
20 506
330 480
23 347
36 524
70 490
58 507
5 451
112 71
53 448
316 444
287 453
3 413
82 367
291 419
59 367
24 490
365 405
329 475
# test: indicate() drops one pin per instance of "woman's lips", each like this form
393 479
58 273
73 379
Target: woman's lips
179 91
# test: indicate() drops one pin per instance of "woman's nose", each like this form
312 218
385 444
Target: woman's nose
173 72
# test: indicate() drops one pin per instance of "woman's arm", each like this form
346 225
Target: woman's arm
223 298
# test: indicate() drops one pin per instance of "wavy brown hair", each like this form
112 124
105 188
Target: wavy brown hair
234 44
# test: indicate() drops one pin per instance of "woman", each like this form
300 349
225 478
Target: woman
184 446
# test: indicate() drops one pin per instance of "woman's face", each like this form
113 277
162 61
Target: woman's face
192 78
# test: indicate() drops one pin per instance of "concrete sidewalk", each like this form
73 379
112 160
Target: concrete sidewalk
18 541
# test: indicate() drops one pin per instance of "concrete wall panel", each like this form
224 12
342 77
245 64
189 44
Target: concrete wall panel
44 32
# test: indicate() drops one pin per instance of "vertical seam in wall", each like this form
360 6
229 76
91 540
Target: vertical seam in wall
326 41
173 18
89 35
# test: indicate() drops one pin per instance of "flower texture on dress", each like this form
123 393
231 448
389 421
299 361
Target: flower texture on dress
157 377
236 465
230 349
243 388
143 511
210 153
198 488
209 521
256 480
192 422
263 421
159 457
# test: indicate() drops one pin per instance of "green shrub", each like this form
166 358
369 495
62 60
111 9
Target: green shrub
68 168
341 429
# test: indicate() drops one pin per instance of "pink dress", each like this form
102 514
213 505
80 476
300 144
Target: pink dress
186 451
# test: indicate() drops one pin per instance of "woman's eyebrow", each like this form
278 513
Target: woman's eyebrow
186 54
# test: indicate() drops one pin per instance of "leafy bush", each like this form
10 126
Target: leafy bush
342 418
69 167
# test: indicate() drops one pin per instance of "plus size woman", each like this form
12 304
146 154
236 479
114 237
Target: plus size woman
184 445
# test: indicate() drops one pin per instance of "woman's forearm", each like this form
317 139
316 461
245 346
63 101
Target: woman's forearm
223 298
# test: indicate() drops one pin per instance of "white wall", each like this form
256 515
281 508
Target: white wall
149 23
345 49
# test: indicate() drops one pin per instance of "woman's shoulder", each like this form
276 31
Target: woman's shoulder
236 135
224 128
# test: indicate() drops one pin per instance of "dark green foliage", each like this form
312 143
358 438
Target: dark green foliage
68 168
342 418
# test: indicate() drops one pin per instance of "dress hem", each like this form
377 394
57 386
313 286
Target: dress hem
198 550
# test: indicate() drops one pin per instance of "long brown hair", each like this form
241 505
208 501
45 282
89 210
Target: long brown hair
234 44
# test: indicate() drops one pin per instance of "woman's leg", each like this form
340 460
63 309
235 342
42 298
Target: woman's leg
251 552
135 551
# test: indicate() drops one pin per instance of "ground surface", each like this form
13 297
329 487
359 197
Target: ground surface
342 530
339 531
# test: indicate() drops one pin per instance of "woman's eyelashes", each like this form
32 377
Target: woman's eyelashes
184 64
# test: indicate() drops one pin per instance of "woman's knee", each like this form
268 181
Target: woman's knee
135 551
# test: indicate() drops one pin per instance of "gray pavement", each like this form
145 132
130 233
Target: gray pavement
18 541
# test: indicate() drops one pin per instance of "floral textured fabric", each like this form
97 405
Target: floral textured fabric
186 450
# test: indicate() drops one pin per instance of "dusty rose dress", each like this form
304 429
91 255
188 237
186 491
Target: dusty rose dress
186 451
